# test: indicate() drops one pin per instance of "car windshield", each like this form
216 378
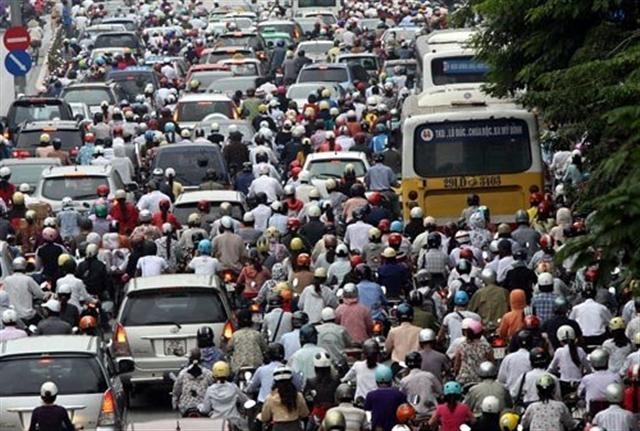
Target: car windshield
329 74
182 211
31 139
316 48
192 164
334 168
237 40
229 86
216 56
134 84
117 41
243 127
280 28
243 69
208 77
90 96
182 304
196 111
39 113
368 62
78 187
27 173
303 91
23 376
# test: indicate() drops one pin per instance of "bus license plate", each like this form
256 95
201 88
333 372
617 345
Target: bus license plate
470 182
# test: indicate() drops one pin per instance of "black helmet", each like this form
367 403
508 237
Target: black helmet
520 254
275 300
205 337
434 240
357 189
413 360
363 271
344 392
538 358
299 319
370 347
473 200
150 248
85 223
524 338
416 298
244 318
560 305
275 352
404 312
308 334
463 267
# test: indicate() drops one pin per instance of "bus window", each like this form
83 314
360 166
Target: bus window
457 70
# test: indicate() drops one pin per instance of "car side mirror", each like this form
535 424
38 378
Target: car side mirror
126 365
79 118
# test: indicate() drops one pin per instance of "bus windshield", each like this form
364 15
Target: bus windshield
457 70
473 147
316 3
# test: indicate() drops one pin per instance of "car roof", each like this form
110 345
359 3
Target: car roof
355 55
84 170
209 195
315 42
50 344
130 69
199 97
51 124
275 22
54 161
118 33
87 85
325 66
328 155
169 281
209 67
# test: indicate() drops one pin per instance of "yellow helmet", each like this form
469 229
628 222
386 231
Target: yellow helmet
262 245
389 253
272 232
263 108
296 244
636 339
282 285
64 258
617 323
509 421
17 199
45 138
221 369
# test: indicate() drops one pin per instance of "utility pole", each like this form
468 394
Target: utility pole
20 82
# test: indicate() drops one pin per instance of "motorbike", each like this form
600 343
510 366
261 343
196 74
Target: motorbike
244 377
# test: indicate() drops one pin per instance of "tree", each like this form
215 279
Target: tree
577 63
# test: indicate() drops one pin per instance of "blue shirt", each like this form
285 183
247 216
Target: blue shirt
382 403
370 294
394 276
263 379
379 178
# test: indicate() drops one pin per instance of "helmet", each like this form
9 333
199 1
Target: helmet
565 333
101 210
560 305
275 352
314 211
416 213
522 217
396 226
524 338
487 370
599 359
49 234
303 260
328 314
194 219
321 360
204 337
452 388
463 266
226 222
204 247
475 327
546 241
274 299
308 334
461 298
490 404
434 240
413 360
531 322
614 393
164 204
91 250
375 198
333 420
383 374
48 390
87 322
344 392
617 323
49 222
17 199
64 289
509 421
545 382
462 237
545 279
282 373
102 190
427 335
405 412
19 264
293 224
299 319
538 358
404 312
488 276
350 291
144 216
389 253
9 316
221 369
370 348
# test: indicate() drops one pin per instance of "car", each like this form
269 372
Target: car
80 110
182 424
330 164
272 37
308 24
207 74
299 93
192 108
242 125
28 170
401 33
132 80
230 85
120 39
191 162
244 66
93 94
89 34
79 183
316 50
326 16
164 30
292 28
87 377
186 203
35 108
214 55
28 138
130 23
339 73
241 39
158 320
370 62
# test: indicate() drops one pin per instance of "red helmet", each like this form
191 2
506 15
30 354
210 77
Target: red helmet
405 412
293 224
531 322
203 206
102 190
294 164
49 234
355 260
535 198
546 241
395 239
164 205
281 89
466 253
303 260
89 137
591 274
384 225
295 171
375 198
118 130
544 209
87 322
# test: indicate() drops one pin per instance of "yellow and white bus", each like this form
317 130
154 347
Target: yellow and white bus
491 150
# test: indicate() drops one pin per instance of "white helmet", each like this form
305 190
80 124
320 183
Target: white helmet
50 222
64 289
226 222
490 404
91 250
565 333
98 150
170 173
304 177
321 360
67 202
5 172
9 316
167 228
416 212
248 217
24 188
426 335
48 389
328 314
314 211
289 190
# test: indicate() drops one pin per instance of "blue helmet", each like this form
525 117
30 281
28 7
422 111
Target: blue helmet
452 388
396 226
169 127
383 374
204 247
149 135
100 61
461 298
280 42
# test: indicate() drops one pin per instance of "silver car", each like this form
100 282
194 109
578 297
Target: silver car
158 321
86 376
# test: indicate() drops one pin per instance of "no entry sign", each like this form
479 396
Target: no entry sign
16 39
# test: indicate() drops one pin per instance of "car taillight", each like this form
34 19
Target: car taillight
120 344
227 332
108 410
20 154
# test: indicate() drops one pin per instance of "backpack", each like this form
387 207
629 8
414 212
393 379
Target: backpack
469 287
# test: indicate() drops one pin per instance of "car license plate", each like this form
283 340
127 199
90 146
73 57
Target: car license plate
498 352
175 347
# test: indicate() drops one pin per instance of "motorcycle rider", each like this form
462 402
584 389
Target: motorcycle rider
276 322
618 346
491 301
262 380
320 390
615 417
209 353
10 330
490 415
302 360
383 401
593 386
246 346
355 418
291 340
333 337
452 322
222 398
68 312
50 416
569 361
47 254
285 407
52 324
190 385
488 386
528 392
229 247
452 413
433 361
550 327
421 384
353 316
363 372
203 263
515 364
547 410
527 237
404 338
23 290
315 297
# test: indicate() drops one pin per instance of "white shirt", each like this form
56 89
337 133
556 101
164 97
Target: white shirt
364 377
569 371
78 290
204 265
530 390
150 266
151 201
357 235
504 265
616 418
513 366
592 317
453 322
633 328
267 185
261 214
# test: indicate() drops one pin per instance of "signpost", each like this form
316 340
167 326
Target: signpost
17 63
16 39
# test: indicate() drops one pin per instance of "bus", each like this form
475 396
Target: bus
325 10
491 150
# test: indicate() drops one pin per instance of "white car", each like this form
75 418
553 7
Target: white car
331 164
193 108
300 92
316 50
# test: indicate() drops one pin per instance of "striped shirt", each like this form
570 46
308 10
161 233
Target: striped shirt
615 418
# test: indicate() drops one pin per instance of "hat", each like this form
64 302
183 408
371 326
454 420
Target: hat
52 305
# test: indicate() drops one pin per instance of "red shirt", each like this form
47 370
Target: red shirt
127 222
158 220
451 420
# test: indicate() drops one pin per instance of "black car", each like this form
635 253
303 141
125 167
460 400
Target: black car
34 108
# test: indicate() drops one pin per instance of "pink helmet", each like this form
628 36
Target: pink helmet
475 327
49 234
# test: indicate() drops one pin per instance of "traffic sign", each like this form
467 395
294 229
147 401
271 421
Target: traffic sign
17 63
16 39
